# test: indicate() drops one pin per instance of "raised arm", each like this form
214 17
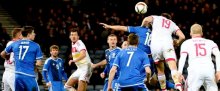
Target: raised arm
114 27
147 21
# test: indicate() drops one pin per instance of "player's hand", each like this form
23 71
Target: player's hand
176 43
93 66
110 89
106 26
70 62
217 75
48 84
102 75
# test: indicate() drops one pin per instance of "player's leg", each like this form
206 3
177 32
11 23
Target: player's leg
5 82
170 58
86 73
210 82
19 85
73 79
11 80
194 80
30 83
161 75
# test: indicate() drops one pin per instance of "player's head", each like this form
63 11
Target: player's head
28 32
54 50
16 33
133 39
112 40
196 30
124 45
168 16
74 35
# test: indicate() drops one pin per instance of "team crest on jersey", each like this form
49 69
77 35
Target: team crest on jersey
170 50
74 49
113 55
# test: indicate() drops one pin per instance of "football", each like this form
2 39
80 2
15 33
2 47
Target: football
141 8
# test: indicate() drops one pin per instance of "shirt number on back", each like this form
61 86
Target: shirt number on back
200 49
166 23
147 40
22 52
129 59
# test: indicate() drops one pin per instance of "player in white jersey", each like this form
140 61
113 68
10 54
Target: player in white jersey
83 62
8 78
201 68
162 45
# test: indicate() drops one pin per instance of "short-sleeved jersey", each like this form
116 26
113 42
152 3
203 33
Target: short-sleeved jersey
54 69
130 62
144 34
162 29
199 51
26 52
110 55
76 48
9 64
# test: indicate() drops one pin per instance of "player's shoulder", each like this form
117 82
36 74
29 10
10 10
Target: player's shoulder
48 60
210 41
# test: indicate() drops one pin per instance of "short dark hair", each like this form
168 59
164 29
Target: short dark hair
168 16
112 35
133 39
16 31
54 47
27 30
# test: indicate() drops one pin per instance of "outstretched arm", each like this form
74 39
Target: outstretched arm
114 27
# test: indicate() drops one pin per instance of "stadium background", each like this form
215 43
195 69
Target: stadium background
53 19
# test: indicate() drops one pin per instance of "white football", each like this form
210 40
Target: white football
141 8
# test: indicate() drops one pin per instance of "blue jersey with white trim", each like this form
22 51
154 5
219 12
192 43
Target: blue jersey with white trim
110 55
144 37
26 52
53 70
129 63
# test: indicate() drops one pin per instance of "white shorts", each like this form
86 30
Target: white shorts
83 73
8 81
201 76
162 51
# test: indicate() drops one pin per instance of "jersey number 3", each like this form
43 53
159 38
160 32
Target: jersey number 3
22 51
200 50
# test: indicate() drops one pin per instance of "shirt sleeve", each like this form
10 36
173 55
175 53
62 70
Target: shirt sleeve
9 48
146 61
117 60
39 53
63 71
132 29
45 70
183 55
80 45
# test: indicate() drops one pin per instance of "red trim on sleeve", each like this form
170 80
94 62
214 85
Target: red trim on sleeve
170 59
214 47
83 49
176 31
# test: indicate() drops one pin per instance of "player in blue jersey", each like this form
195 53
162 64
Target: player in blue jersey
129 63
110 55
27 54
53 70
144 34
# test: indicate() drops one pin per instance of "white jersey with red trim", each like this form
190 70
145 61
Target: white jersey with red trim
199 51
9 64
162 29
76 48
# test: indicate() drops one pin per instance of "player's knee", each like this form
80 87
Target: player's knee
69 88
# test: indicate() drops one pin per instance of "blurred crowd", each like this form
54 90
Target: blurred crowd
54 19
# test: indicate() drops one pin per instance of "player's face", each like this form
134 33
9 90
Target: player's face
32 35
124 45
19 35
112 41
54 52
74 36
